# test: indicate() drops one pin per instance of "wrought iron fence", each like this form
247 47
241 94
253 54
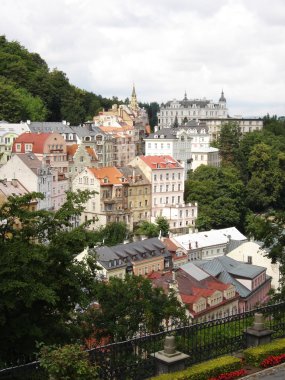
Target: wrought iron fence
134 359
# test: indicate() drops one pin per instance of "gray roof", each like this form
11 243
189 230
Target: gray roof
233 267
229 270
189 103
134 175
123 254
85 131
171 133
31 161
233 244
50 127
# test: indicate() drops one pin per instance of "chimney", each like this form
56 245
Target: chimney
14 182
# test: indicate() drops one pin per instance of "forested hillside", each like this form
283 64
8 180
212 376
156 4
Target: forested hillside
30 90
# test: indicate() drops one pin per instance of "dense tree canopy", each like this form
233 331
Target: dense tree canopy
126 306
29 90
220 194
251 177
40 283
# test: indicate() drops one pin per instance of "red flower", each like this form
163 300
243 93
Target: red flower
230 375
272 361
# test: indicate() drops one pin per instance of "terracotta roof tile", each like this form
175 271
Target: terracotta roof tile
71 149
36 139
113 175
160 162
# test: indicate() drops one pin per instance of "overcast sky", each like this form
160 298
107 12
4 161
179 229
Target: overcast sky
163 46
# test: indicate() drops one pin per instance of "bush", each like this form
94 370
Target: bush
69 362
205 370
255 355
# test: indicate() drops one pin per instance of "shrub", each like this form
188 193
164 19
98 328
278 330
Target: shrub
69 362
255 355
205 370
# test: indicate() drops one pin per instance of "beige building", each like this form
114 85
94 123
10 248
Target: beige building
167 178
245 124
139 195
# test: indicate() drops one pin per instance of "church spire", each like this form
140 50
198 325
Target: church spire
185 96
222 98
134 103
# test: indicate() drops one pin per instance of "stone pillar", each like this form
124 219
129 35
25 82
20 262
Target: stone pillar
258 334
169 360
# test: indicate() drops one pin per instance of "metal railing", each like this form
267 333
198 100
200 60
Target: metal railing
133 359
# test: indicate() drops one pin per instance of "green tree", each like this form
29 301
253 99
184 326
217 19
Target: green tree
128 305
220 194
163 225
69 362
113 233
267 179
40 282
228 142
147 229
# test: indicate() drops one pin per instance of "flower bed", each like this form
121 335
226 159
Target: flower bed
272 360
230 375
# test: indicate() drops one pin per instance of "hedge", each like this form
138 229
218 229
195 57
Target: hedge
205 370
255 355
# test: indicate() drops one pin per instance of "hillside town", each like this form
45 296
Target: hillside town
136 239
137 175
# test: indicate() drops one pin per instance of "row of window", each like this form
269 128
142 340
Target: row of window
167 176
162 201
167 188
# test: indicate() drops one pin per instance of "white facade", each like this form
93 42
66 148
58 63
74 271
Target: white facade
87 181
33 176
251 252
208 244
190 109
189 144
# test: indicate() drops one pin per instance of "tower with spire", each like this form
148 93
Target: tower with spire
134 103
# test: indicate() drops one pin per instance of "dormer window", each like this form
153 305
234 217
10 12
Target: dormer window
105 180
28 147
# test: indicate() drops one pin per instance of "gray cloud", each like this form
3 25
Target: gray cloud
164 46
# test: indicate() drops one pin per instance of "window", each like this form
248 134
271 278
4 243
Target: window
160 188
166 200
154 189
18 147
28 147
173 175
249 259
173 187
167 176
161 177
155 177
145 202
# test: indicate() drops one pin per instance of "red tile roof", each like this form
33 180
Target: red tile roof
160 162
36 139
113 175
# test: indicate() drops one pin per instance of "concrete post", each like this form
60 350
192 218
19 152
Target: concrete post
169 360
258 334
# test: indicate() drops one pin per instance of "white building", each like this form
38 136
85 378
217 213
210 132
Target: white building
167 178
86 180
188 144
186 109
207 245
252 253
32 174
8 133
